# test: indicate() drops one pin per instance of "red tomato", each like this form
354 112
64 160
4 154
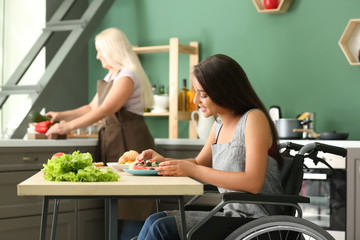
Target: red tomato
59 154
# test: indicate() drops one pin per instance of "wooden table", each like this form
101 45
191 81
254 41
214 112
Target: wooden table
128 186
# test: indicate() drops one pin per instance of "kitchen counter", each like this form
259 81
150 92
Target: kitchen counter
74 142
158 141
88 142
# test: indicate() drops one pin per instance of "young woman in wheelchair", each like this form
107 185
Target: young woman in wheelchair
241 153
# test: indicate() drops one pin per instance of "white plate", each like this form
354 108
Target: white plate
142 172
117 166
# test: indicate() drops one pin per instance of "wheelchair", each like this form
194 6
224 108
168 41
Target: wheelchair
289 225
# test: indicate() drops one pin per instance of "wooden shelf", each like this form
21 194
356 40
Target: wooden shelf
282 8
174 49
186 49
350 41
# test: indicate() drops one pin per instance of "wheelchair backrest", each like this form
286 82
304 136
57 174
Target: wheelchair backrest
291 174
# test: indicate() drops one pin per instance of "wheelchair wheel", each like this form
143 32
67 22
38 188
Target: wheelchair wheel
280 227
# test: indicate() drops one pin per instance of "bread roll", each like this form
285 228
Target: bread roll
128 157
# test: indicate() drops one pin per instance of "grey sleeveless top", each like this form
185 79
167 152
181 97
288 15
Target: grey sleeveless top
231 157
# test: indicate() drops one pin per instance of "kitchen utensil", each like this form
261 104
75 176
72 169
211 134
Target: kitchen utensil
285 128
304 116
333 135
275 113
308 122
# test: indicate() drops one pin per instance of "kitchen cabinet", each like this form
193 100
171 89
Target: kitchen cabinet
353 194
282 8
179 148
175 48
20 216
28 227
350 41
90 219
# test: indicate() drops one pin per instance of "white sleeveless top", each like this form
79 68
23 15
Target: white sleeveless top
133 104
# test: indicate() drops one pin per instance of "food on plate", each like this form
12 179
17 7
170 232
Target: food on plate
144 165
76 167
128 157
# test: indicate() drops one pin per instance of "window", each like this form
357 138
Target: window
21 22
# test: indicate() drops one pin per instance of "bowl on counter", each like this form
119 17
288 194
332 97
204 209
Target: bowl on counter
117 166
161 103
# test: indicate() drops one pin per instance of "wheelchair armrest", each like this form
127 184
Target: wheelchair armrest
263 198
192 205
210 188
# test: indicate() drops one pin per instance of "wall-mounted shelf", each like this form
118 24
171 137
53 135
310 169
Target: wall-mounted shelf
350 41
174 49
282 8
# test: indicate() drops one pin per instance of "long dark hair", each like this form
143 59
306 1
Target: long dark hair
226 83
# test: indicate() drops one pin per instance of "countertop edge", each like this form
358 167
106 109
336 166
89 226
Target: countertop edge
80 142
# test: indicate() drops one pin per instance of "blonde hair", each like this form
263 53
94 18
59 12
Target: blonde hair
118 52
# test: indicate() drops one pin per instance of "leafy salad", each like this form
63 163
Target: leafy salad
76 167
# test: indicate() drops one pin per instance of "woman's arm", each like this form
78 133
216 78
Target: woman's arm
116 98
203 158
74 113
186 167
257 140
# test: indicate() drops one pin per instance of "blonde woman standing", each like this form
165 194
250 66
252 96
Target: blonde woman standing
119 103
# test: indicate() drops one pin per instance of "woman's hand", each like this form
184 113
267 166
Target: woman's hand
180 168
58 128
55 116
150 155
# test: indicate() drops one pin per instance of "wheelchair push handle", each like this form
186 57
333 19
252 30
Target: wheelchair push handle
294 146
323 148
331 149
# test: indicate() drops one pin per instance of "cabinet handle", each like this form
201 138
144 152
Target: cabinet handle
28 159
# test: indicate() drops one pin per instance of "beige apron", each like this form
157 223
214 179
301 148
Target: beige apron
118 133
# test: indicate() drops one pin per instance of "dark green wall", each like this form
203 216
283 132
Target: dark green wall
292 59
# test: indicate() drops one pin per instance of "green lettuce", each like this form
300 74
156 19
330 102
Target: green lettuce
77 167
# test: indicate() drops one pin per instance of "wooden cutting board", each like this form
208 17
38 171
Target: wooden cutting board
43 136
